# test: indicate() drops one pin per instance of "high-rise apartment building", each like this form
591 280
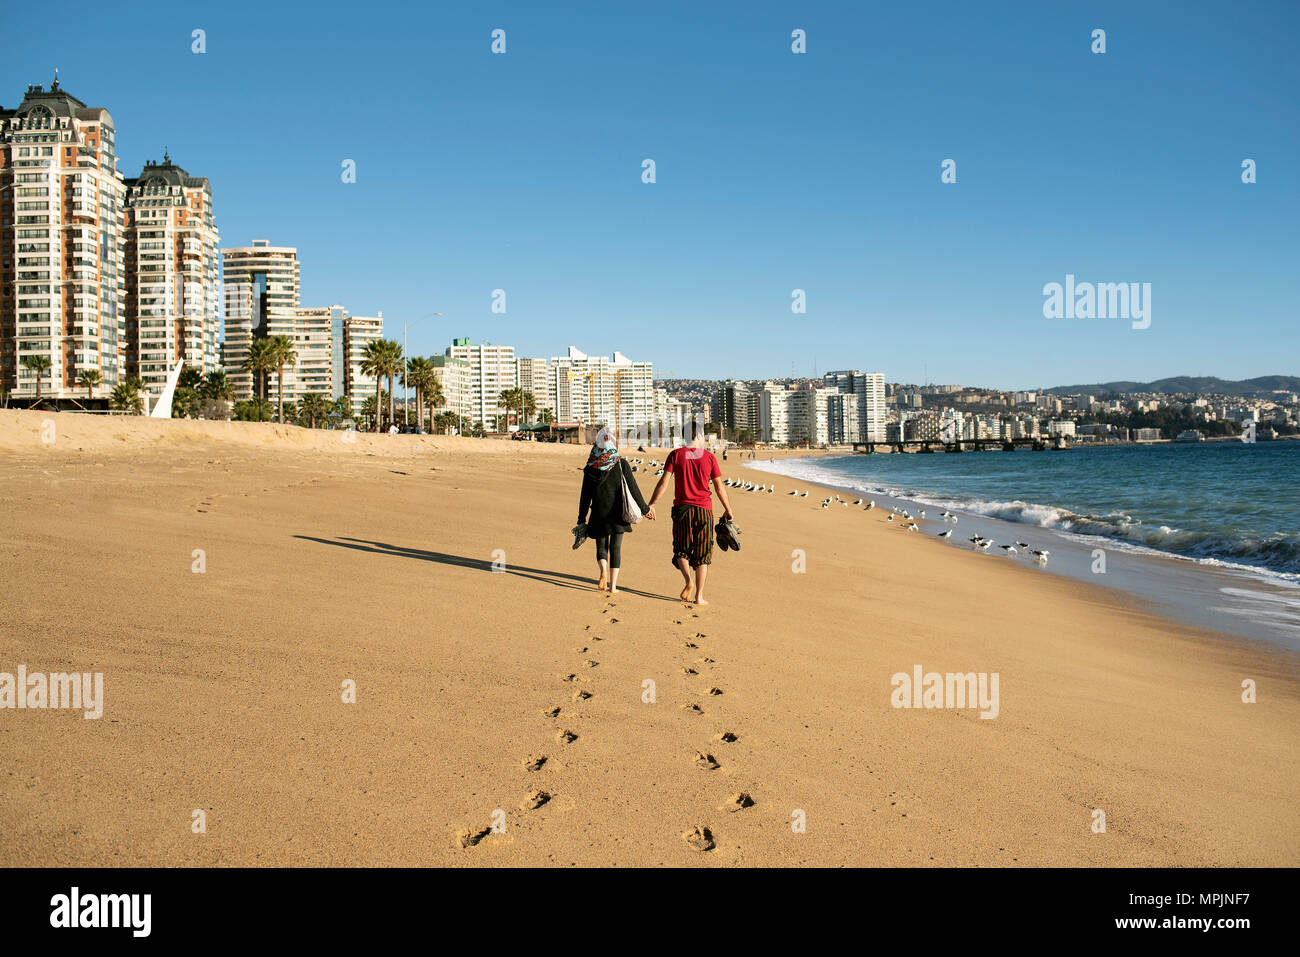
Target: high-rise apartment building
313 342
869 387
353 334
455 376
61 283
171 267
537 377
261 290
774 413
492 371
736 409
603 390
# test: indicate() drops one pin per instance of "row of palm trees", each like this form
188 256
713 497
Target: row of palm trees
384 359
264 357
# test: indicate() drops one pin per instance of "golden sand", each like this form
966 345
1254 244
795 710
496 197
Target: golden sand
519 697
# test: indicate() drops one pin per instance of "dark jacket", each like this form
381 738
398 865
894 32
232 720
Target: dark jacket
603 494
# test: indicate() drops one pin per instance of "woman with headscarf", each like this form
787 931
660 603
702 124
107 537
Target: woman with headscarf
602 492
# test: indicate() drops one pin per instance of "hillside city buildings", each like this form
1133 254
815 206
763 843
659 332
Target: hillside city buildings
105 278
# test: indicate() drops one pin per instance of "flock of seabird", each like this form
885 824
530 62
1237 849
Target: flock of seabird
908 523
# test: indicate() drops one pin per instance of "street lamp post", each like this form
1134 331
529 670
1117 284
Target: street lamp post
406 359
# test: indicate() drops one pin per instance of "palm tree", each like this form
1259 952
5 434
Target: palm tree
511 399
382 359
313 406
282 353
394 363
89 378
40 365
433 396
529 403
190 378
260 361
423 375
217 386
126 396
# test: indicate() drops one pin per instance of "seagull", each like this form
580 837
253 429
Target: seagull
1041 556
792 493
858 502
1009 549
945 534
889 518
826 504
913 527
805 493
1022 544
984 544
871 505
923 513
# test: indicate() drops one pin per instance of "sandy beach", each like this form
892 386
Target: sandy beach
228 578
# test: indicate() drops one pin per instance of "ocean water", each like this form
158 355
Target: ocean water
1223 516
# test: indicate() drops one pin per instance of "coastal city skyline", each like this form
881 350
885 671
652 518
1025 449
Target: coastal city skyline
497 207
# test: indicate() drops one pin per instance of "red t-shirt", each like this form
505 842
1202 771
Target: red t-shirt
692 468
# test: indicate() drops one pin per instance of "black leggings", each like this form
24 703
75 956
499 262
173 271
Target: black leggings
610 548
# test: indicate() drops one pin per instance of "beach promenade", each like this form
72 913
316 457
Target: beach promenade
229 580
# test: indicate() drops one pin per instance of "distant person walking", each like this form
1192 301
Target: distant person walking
602 492
693 468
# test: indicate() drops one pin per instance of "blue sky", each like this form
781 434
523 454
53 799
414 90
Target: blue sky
775 171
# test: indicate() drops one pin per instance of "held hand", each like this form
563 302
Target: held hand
650 512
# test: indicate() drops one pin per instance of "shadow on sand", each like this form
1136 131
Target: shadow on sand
558 579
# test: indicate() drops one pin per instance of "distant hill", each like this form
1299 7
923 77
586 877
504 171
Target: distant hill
1261 385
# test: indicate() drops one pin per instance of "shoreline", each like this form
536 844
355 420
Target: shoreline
1233 598
374 562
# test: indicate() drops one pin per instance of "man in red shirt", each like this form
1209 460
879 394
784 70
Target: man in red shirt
693 467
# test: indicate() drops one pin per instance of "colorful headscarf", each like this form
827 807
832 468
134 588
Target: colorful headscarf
604 454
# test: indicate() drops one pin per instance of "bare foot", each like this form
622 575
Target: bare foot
699 600
613 589
686 593
600 585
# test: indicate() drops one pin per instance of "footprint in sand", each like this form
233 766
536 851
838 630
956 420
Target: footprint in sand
565 737
689 644
737 802
705 661
689 671
699 838
715 691
590 664
706 762
581 651
693 708
551 712
581 695
568 677
533 800
726 737
471 836
535 762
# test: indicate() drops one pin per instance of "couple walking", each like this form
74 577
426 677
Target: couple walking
693 468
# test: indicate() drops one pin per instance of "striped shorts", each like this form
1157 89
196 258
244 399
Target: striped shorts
692 535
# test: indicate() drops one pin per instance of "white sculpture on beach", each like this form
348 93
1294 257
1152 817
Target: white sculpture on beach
163 407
